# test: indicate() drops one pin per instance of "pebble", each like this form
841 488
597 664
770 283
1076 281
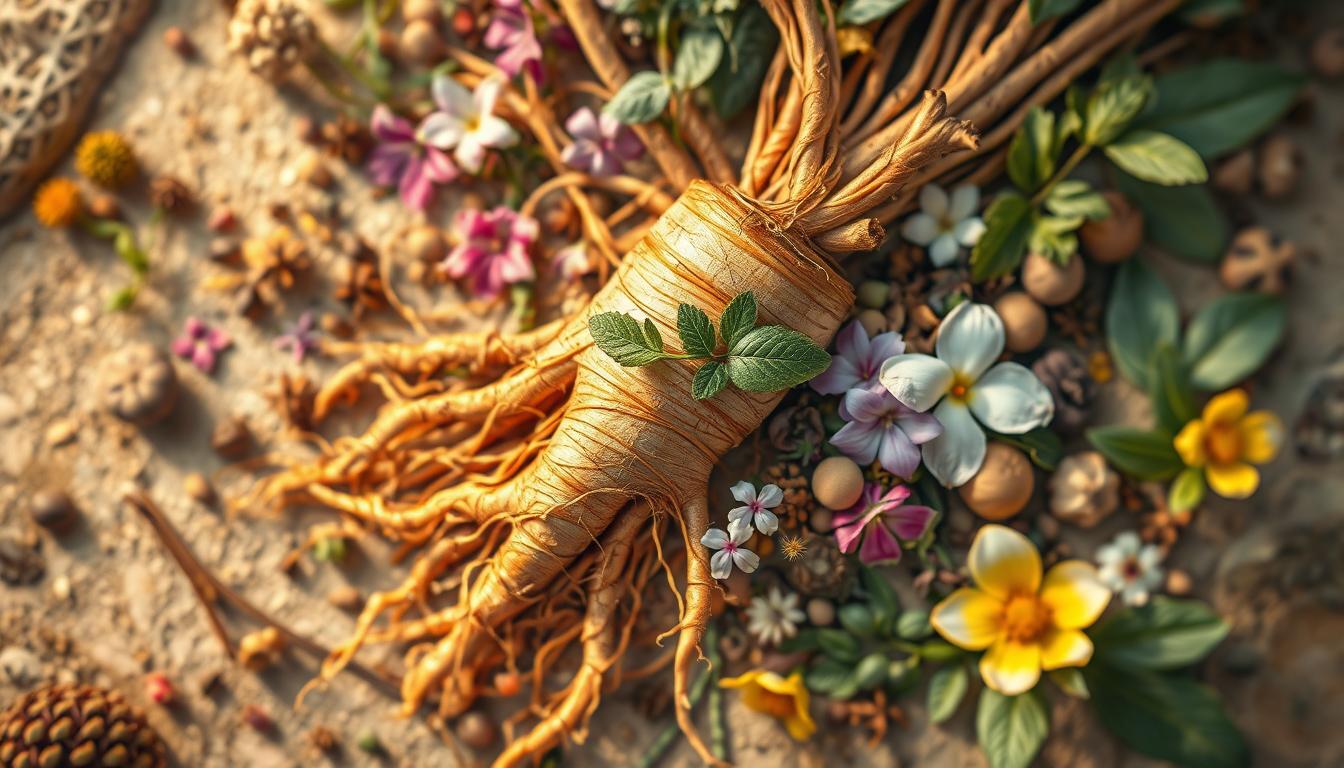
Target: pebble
222 219
820 520
81 316
178 42
346 597
837 482
21 666
60 588
231 439
62 432
1179 582
52 509
820 611
477 730
198 487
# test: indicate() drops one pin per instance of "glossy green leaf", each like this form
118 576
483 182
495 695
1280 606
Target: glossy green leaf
1184 221
1113 106
1139 453
738 318
1187 490
1071 681
1075 198
1163 634
695 330
1011 729
737 82
1141 315
871 671
1055 237
709 380
1008 226
1042 10
1231 337
625 340
947 688
1173 402
1157 157
864 11
698 55
641 99
1033 152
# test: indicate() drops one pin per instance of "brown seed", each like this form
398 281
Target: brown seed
305 128
177 40
105 207
425 244
1327 53
1024 321
198 487
820 611
420 43
837 482
345 597
1003 485
477 730
337 326
1117 237
1280 166
820 520
139 384
873 322
232 440
52 509
225 250
1179 582
222 219
1050 283
313 170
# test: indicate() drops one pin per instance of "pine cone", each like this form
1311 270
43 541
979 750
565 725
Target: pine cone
273 35
77 725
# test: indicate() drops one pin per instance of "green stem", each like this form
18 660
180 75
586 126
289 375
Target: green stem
1063 173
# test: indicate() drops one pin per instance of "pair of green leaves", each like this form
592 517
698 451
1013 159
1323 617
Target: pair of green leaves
124 242
764 358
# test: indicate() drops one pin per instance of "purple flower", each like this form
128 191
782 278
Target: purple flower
882 522
857 360
601 143
880 427
201 344
511 30
401 159
492 249
301 338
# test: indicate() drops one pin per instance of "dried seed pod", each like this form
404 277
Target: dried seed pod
420 43
477 730
1084 490
1280 166
1257 261
1117 237
1050 283
77 725
273 35
1024 321
198 487
170 195
424 244
1003 485
231 439
1236 174
139 384
1071 385
426 10
178 42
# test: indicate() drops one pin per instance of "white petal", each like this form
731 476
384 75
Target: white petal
920 228
1010 399
918 381
969 231
737 515
970 338
486 94
965 199
933 201
771 495
496 132
721 564
746 560
767 522
956 455
944 250
743 491
452 97
714 538
740 533
441 130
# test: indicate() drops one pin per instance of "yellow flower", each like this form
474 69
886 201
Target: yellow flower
57 203
106 159
784 699
1227 440
1023 622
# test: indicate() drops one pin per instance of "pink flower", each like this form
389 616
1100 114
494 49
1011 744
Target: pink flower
511 30
600 143
400 159
857 360
300 339
880 427
492 249
883 523
201 344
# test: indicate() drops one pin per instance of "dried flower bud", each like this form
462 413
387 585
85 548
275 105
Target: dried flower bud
139 384
170 194
52 509
160 689
1070 384
1083 490
477 730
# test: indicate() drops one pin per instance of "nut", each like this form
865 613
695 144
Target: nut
105 207
837 482
820 611
425 244
1258 261
177 40
1024 321
1280 166
1083 490
1327 53
1117 237
347 598
313 170
198 487
873 322
52 509
231 439
1236 174
873 294
139 384
1003 485
1050 283
260 650
420 43
477 730
427 10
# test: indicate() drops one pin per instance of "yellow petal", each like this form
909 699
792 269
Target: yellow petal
1232 481
1227 408
1075 594
1011 668
1065 648
1004 562
747 679
968 618
1261 437
1190 444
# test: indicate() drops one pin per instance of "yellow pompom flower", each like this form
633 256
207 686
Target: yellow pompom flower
1227 440
1024 622
785 699
106 159
57 203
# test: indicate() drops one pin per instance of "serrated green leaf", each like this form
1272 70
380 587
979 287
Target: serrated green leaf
1185 221
1231 337
1139 453
737 82
695 330
709 380
698 55
1141 315
652 335
1186 491
642 98
1042 10
1115 103
1011 729
624 340
1157 157
1055 237
771 357
863 11
738 318
947 687
1008 223
1075 198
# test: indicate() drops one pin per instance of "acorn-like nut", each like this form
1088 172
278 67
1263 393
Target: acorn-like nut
1003 485
477 730
1048 282
139 384
1024 321
425 244
873 322
1256 260
873 294
426 10
1084 490
1117 237
313 170
837 482
1327 53
1236 174
420 43
1280 166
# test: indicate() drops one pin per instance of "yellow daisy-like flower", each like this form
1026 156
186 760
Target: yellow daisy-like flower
1227 440
1023 622
106 159
57 203
785 699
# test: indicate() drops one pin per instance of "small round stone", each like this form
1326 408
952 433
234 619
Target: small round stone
873 322
1024 321
105 207
820 520
52 509
425 244
1117 237
477 730
873 294
314 171
820 611
1179 582
427 10
420 42
198 487
1003 485
837 482
1050 283
1280 166
345 597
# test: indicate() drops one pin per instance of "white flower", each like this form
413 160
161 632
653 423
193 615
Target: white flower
1130 567
944 226
465 120
1007 398
730 550
756 509
774 616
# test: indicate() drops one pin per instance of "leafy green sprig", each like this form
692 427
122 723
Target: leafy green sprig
755 358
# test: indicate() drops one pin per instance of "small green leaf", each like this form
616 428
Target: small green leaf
1011 729
698 55
1075 198
1142 454
1055 237
1173 403
881 597
738 318
642 98
771 357
839 645
863 11
1008 227
830 677
737 82
1042 10
1157 157
1071 681
652 335
857 619
1042 445
1141 315
947 687
1113 106
1186 491
695 330
1163 634
1231 337
871 671
1185 221
624 340
914 625
709 380
123 299
940 651
1034 151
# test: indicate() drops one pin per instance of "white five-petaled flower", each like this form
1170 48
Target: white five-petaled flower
945 225
774 616
756 508
730 550
464 121
1007 398
1130 567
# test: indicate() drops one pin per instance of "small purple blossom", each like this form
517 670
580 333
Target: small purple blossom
601 143
880 427
883 522
512 33
857 360
492 249
301 338
400 159
201 344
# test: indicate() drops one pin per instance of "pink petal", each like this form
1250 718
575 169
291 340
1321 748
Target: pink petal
896 453
439 167
866 405
909 521
858 440
879 546
583 124
183 346
203 358
920 427
839 378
